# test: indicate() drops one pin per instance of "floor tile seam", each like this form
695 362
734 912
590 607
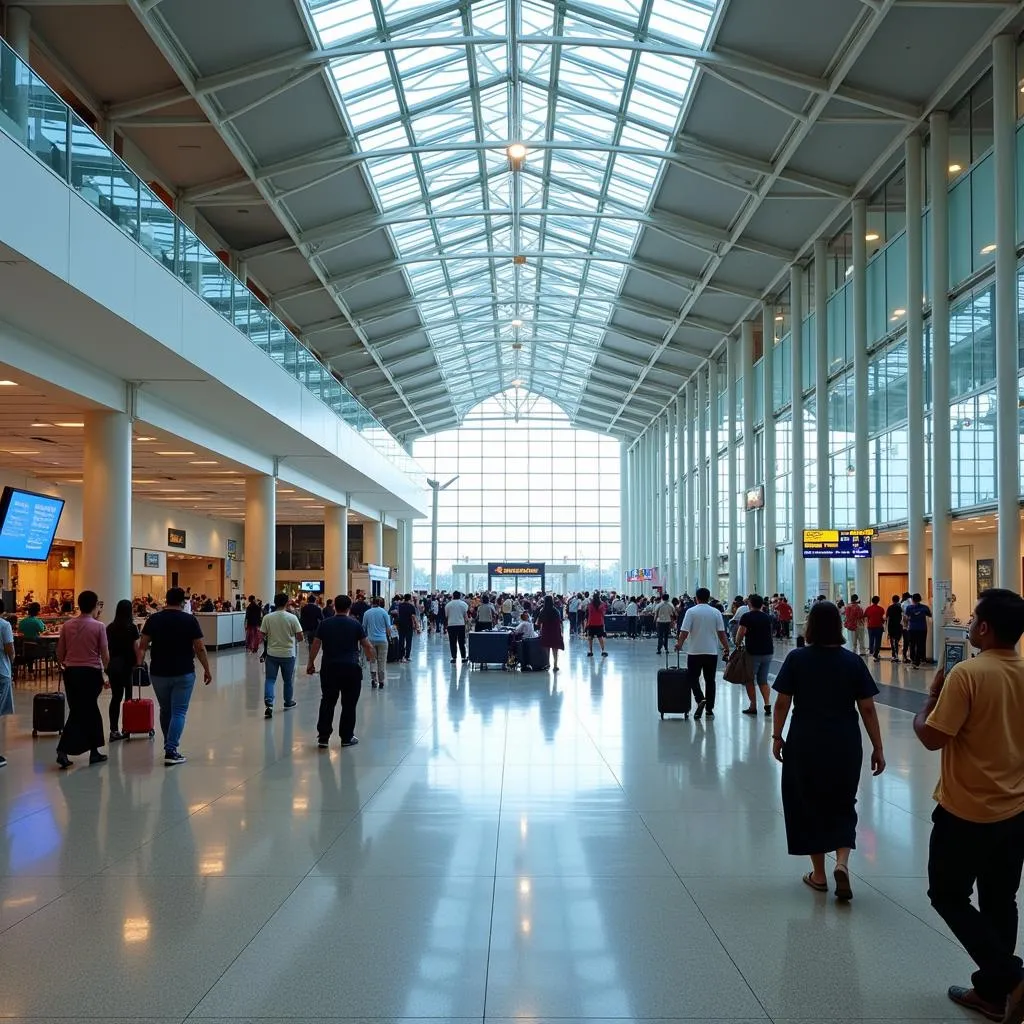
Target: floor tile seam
711 927
497 849
892 899
82 879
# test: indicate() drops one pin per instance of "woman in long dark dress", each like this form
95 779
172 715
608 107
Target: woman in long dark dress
550 619
821 755
122 649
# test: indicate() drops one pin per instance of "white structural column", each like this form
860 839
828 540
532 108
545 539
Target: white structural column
862 469
1004 93
731 365
770 582
749 524
714 548
335 550
692 569
672 573
404 577
917 571
942 526
821 435
635 524
659 505
107 510
19 34
373 542
260 536
702 481
682 577
624 510
796 285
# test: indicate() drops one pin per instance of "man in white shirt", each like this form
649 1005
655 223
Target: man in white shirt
525 629
664 615
704 628
506 611
456 612
632 611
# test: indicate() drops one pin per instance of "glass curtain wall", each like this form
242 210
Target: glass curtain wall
530 487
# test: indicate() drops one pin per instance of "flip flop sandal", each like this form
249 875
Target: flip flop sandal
843 891
808 879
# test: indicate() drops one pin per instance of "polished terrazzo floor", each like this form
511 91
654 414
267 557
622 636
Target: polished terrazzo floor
497 846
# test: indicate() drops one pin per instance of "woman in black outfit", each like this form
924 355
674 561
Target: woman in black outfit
123 644
821 756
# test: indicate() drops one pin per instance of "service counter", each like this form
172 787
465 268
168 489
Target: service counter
222 629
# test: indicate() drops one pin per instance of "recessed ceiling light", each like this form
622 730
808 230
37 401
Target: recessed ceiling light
40 424
68 423
286 490
172 453
145 481
172 490
849 271
19 451
779 318
897 313
871 236
955 168
991 247
145 439
204 462
8 383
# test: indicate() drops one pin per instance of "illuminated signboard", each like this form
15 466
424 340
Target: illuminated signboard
515 568
755 498
837 543
641 575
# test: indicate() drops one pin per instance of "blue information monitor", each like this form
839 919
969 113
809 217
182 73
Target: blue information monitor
837 543
28 523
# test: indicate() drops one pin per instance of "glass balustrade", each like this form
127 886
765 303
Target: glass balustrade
35 117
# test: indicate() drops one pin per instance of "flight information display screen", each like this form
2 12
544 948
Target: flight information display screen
28 523
837 543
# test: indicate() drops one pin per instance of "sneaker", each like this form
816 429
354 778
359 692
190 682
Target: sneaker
350 743
970 1000
172 757
322 744
269 711
289 704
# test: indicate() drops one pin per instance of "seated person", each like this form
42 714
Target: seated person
31 626
525 630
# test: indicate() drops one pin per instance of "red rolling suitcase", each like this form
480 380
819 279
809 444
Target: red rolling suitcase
137 715
674 694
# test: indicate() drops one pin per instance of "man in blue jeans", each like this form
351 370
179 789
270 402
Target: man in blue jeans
280 629
176 640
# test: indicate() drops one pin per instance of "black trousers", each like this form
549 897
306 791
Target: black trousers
663 630
631 629
346 682
915 645
706 665
962 855
895 636
457 638
405 641
84 728
120 684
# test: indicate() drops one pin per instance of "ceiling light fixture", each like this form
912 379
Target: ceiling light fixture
204 462
779 318
68 423
516 152
517 383
8 383
145 439
168 453
871 236
517 323
40 424
991 247
955 168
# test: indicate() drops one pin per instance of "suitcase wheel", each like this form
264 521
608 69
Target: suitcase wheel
663 716
127 736
34 734
152 733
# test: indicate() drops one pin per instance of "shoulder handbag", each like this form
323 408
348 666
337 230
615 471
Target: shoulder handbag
738 668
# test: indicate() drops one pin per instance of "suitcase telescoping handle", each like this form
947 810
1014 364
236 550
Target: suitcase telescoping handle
138 674
678 665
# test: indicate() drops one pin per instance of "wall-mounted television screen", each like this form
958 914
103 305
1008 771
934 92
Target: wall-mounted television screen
28 522
311 586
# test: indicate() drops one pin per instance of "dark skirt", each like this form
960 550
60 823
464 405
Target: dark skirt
84 728
820 776
551 635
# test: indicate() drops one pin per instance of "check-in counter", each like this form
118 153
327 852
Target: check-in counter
222 629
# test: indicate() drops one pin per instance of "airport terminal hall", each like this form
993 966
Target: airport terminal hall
511 511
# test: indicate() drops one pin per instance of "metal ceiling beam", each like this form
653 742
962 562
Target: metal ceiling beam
165 121
146 104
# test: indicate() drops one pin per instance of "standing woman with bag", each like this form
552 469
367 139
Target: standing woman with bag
82 651
123 647
550 619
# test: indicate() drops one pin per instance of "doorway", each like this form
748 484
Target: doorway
890 583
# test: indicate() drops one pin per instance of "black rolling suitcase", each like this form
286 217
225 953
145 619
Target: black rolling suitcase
533 657
394 650
48 712
674 694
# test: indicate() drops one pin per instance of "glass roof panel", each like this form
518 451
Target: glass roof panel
436 120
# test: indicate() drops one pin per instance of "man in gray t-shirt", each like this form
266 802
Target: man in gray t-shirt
456 612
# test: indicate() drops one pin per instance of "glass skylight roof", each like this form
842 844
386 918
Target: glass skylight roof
486 244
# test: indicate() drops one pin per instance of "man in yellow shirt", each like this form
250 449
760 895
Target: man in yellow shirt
975 716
